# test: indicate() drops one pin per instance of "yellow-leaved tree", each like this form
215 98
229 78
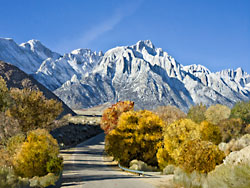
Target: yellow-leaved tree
111 115
174 136
38 155
199 155
32 109
210 132
138 135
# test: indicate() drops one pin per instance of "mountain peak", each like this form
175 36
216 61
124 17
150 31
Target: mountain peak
144 43
33 45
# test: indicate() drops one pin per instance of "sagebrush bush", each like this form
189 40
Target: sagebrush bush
169 114
111 115
138 135
197 113
8 128
44 181
233 173
231 128
237 144
9 180
210 132
199 155
189 180
217 113
241 110
35 154
32 109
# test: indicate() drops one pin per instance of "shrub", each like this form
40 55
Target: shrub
177 133
111 115
5 158
217 113
44 181
169 169
236 145
54 165
36 154
189 180
9 180
169 114
4 96
8 127
32 109
174 136
234 172
197 113
241 110
141 166
163 158
210 132
137 136
231 128
14 143
199 155
247 129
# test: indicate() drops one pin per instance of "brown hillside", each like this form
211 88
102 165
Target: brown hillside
16 78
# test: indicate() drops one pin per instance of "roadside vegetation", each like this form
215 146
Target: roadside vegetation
207 147
29 154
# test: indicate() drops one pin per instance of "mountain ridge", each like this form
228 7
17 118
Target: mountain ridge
141 72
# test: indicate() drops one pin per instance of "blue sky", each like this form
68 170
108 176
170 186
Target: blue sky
214 33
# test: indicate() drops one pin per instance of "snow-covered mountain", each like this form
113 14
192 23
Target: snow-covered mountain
142 73
150 77
53 73
27 56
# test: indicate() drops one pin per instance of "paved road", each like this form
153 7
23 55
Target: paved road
85 167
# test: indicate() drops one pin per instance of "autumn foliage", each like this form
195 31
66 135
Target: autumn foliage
199 155
32 109
138 135
38 155
111 115
210 132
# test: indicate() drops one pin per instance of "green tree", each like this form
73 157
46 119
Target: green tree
197 113
241 110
